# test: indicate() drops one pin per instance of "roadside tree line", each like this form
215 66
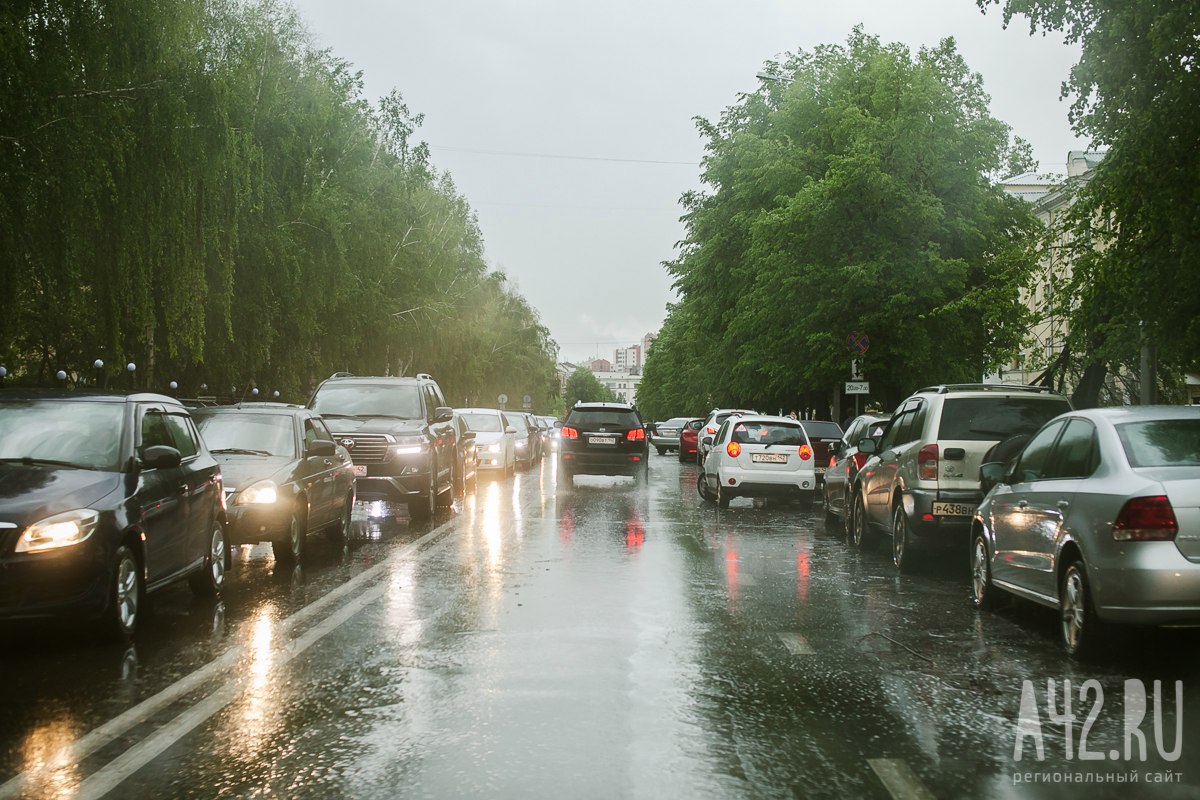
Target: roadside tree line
192 186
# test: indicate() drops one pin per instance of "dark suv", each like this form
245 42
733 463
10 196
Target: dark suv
400 434
603 439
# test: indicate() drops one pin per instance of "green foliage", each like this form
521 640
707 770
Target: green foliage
584 387
1136 92
851 195
190 185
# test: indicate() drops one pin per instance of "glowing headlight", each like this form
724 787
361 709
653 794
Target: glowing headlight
494 447
261 493
522 444
408 449
60 530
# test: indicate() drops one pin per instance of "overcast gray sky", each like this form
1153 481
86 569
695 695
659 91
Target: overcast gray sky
614 85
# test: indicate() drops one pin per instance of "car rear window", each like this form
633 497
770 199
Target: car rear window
768 433
612 419
483 423
1162 442
983 419
822 430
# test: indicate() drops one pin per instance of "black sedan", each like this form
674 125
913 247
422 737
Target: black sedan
284 474
102 499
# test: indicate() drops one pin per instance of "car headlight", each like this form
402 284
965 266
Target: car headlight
408 446
494 447
522 443
258 494
60 530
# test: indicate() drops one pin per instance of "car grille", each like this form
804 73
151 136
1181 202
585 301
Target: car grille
369 448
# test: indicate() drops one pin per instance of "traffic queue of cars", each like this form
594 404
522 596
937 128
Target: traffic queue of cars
107 497
1094 513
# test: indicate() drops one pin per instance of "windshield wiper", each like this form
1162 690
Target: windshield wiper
29 461
241 451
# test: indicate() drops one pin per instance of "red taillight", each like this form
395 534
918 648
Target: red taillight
832 461
1146 519
710 430
860 459
569 433
734 449
927 462
805 452
636 435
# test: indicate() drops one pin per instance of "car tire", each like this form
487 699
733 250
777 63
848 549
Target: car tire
290 550
125 595
458 481
662 451
847 514
985 596
902 555
339 531
424 506
702 488
829 515
860 532
446 499
1079 628
682 456
210 579
723 497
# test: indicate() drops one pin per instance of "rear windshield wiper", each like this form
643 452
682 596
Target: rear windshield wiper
241 451
30 461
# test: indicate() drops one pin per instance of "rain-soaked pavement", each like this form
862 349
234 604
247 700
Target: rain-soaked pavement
601 640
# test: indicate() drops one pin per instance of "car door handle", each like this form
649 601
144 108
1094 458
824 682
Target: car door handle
1064 504
328 463
1022 504
183 487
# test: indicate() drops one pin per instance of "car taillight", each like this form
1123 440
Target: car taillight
636 435
734 449
927 462
860 459
832 461
805 452
569 433
1146 519
710 430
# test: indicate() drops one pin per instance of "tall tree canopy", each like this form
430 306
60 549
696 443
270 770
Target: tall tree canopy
851 193
1135 228
190 185
583 386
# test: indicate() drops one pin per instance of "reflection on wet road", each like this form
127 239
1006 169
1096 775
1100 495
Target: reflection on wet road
588 640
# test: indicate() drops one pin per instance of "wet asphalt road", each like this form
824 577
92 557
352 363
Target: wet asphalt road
601 640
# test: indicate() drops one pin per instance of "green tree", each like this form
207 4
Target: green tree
1135 241
854 193
584 387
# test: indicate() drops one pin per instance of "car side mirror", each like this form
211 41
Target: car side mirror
707 441
558 423
469 436
160 456
510 429
867 445
443 414
992 473
321 447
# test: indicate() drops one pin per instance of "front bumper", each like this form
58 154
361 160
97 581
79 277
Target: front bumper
71 582
251 524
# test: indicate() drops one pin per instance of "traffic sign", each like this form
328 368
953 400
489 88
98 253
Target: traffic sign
502 399
527 401
858 342
858 387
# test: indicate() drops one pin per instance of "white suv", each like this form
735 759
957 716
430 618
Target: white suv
922 478
755 455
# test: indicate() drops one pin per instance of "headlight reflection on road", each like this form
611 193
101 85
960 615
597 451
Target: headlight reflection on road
44 754
802 570
731 574
258 705
493 523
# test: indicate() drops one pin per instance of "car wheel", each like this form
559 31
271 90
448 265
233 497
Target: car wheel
662 451
1080 627
290 550
423 506
702 488
459 482
902 555
723 497
446 499
859 534
339 531
847 514
984 595
682 456
829 515
209 580
125 591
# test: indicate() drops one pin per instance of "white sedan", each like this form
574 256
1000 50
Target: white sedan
755 455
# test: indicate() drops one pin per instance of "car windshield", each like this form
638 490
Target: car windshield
1161 442
982 419
368 400
590 420
767 433
518 422
822 430
483 423
267 434
79 434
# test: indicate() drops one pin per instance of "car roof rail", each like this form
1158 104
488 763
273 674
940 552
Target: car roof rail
946 388
424 376
342 375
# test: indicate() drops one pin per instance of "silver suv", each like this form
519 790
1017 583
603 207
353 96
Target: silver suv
921 481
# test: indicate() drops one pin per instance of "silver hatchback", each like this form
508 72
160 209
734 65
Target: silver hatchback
1099 517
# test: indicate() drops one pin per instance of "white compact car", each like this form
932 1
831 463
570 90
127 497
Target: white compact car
756 455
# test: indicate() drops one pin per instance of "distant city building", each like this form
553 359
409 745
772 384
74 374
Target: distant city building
647 340
628 359
601 365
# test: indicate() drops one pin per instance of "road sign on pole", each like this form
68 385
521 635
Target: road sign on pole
858 387
858 342
502 399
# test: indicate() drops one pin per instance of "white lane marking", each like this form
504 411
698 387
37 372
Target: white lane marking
121 724
899 779
796 644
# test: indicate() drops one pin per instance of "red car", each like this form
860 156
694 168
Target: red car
689 437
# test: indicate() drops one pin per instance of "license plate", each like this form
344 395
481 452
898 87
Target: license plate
953 510
360 470
603 440
819 470
769 458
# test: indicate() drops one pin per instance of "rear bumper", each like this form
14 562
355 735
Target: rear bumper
1147 583
763 483
664 441
950 530
602 463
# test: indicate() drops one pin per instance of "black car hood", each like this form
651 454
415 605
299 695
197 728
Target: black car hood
31 493
238 471
340 426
